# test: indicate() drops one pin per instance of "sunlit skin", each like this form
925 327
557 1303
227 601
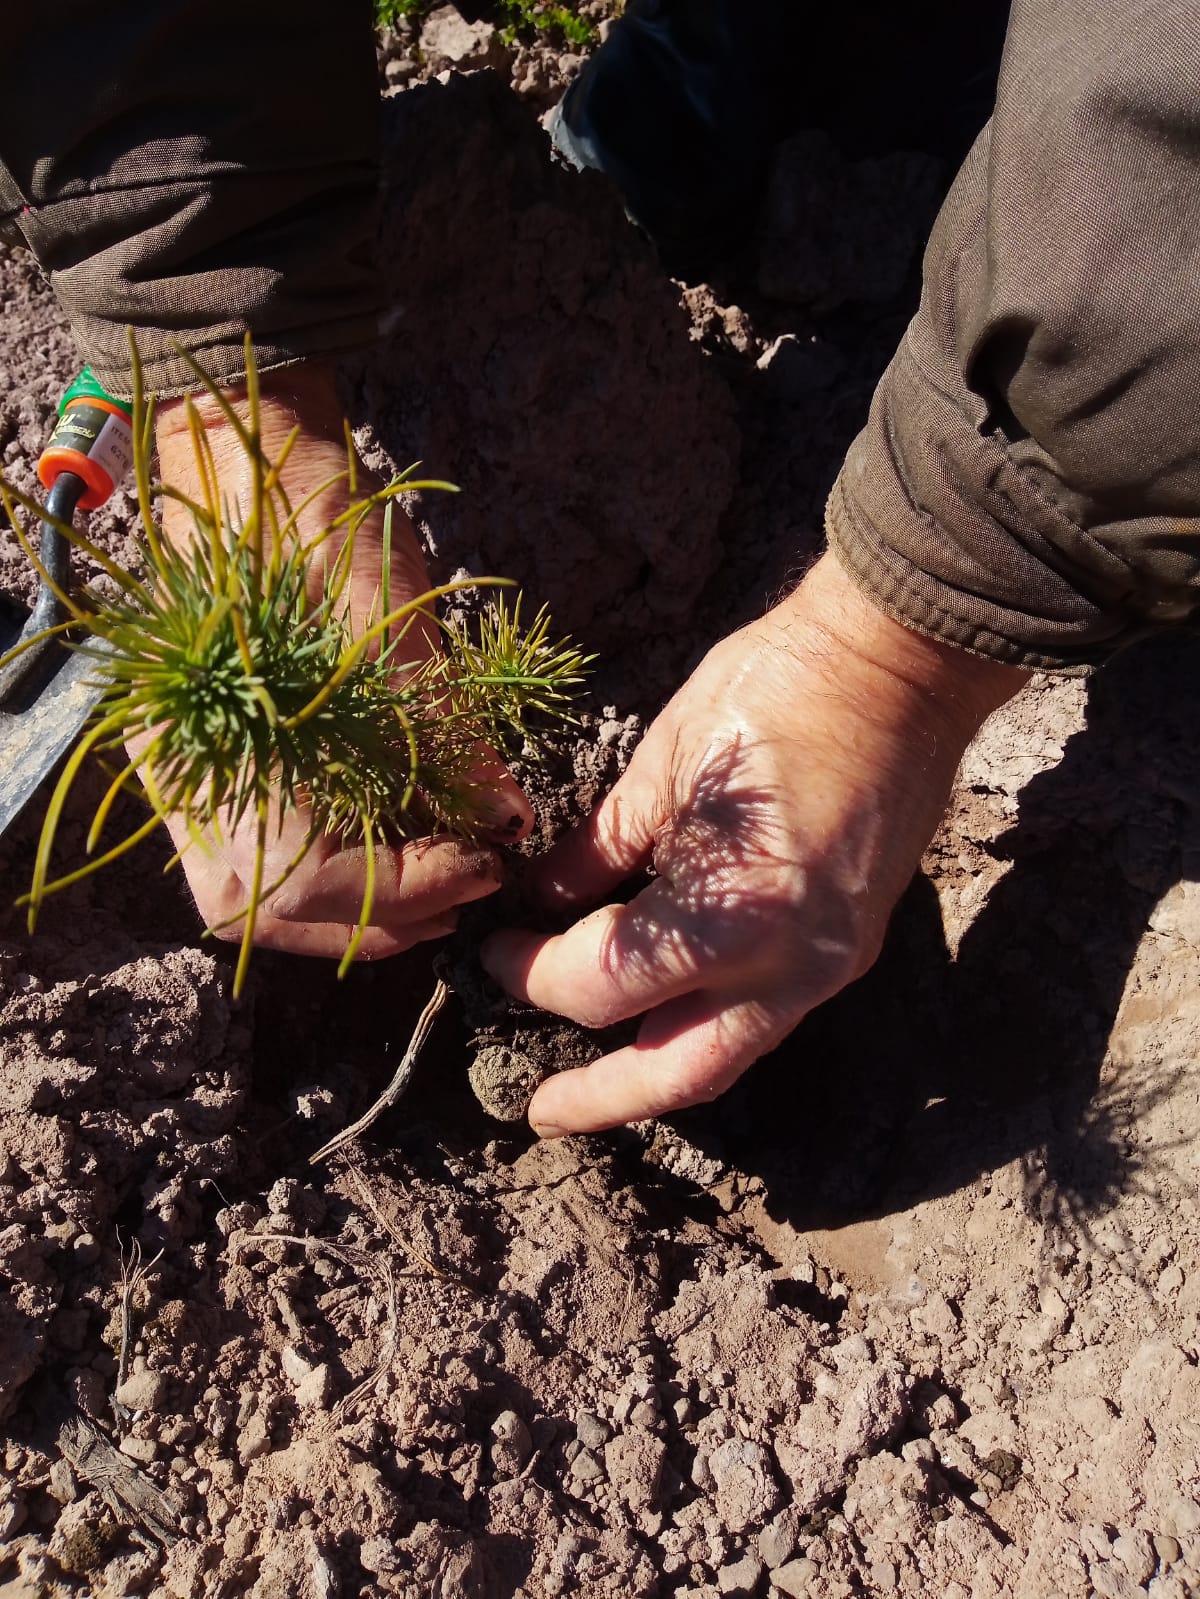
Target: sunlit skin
783 799
419 886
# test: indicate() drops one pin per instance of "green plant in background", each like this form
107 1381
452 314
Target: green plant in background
525 17
517 19
245 699
389 12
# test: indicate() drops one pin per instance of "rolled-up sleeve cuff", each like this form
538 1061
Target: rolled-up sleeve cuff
948 535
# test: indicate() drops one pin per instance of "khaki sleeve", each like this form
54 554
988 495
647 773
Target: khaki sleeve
1028 483
195 169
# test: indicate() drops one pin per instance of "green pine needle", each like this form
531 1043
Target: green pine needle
251 700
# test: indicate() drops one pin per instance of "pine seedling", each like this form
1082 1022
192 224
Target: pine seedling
232 696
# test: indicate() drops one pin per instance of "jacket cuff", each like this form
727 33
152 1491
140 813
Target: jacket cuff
943 531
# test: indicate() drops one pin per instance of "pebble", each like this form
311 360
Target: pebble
513 1445
586 1468
1136 1553
143 1390
794 1578
920 1449
313 1392
12 1516
254 1441
1167 1548
63 1484
143 1450
777 1542
740 1577
591 1431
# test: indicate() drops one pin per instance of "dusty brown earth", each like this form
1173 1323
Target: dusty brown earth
913 1310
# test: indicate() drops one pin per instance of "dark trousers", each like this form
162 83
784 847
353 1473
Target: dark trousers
685 100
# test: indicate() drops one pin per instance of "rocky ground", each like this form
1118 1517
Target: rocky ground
913 1310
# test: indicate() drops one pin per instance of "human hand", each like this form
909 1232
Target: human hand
418 887
784 798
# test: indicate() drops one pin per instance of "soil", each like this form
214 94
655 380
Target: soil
912 1310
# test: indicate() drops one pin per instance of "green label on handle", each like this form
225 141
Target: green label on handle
88 387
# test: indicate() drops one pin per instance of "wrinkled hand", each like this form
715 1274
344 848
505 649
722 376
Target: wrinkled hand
419 886
783 798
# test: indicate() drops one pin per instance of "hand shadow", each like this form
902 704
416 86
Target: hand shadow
931 1070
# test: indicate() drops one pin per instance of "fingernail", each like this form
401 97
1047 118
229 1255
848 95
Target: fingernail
548 1130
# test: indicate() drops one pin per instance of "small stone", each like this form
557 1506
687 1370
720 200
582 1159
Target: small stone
143 1450
295 1367
1167 1548
63 1483
449 40
740 1577
920 1449
12 1516
746 1492
794 1578
777 1542
591 1431
312 1393
1136 1553
513 1445
644 1414
379 1556
255 1439
143 1390
586 1468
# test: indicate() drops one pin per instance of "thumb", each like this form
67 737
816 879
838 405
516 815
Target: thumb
615 841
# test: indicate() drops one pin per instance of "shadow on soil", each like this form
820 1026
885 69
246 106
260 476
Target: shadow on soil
932 1070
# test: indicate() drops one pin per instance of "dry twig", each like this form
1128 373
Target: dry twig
134 1273
399 1081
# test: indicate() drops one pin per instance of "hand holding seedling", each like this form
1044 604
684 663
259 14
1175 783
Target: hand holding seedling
269 680
418 885
784 798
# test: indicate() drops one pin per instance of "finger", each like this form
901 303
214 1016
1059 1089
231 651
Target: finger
614 963
503 812
686 1053
422 880
329 940
613 843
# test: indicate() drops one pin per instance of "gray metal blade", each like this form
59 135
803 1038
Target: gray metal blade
34 740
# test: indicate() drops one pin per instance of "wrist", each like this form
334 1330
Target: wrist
302 395
906 674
